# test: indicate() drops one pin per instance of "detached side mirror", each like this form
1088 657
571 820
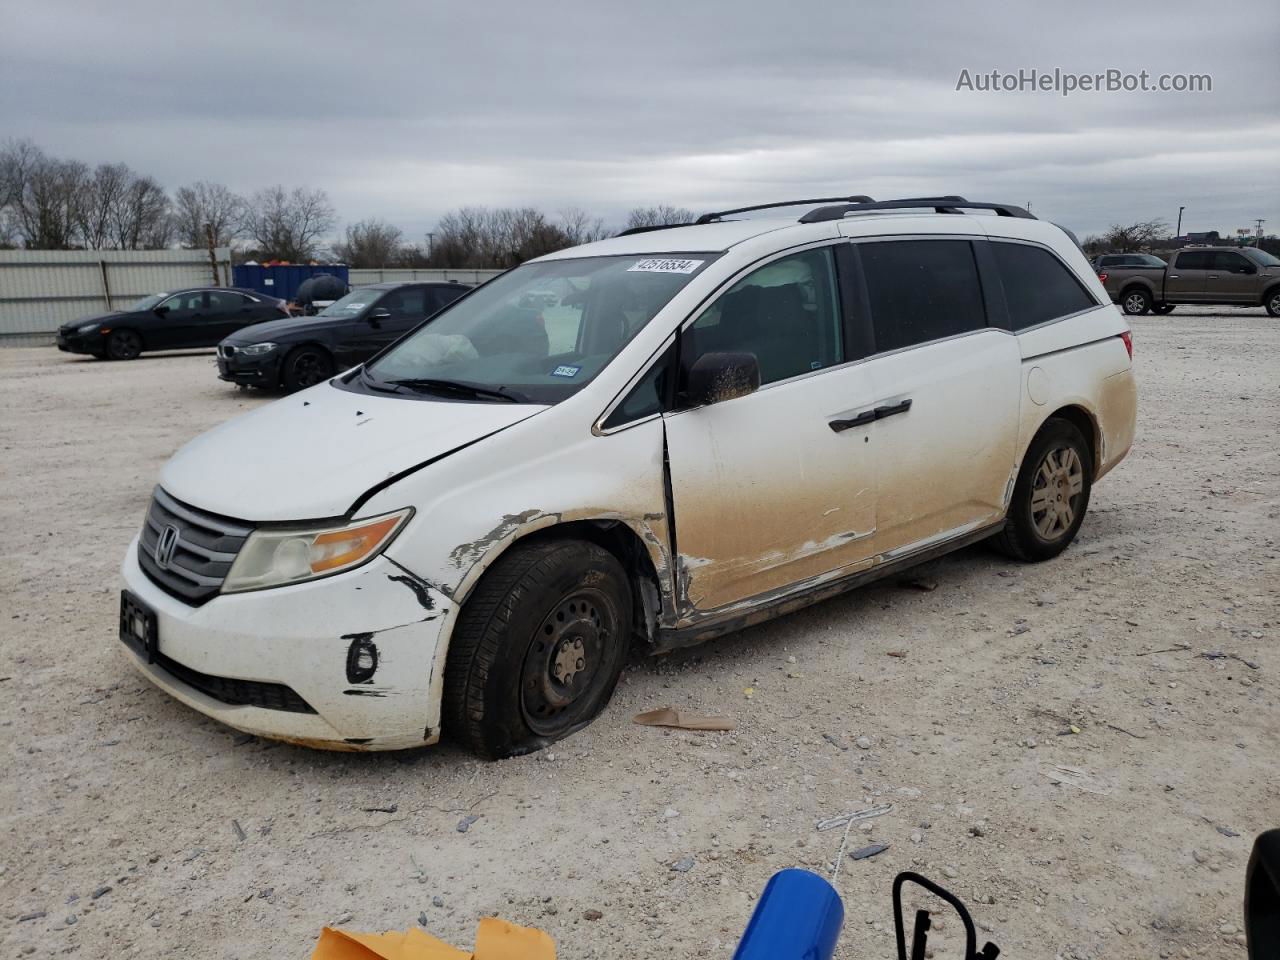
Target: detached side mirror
378 314
716 377
1262 897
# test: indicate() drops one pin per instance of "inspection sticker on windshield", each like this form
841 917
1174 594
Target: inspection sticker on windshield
665 265
565 370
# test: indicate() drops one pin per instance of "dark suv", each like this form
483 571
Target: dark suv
303 351
179 320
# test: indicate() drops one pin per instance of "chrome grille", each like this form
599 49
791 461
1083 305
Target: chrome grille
195 561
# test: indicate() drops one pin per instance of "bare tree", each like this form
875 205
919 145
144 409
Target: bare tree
47 212
288 225
659 215
101 198
203 203
18 158
141 217
370 243
1135 237
499 237
580 227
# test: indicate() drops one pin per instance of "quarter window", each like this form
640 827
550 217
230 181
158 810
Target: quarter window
786 313
1038 287
921 290
647 397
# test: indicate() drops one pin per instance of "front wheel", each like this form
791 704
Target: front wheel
123 345
1163 308
305 367
1136 302
1273 302
1051 495
538 648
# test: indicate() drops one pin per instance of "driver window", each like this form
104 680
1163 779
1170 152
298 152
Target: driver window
786 313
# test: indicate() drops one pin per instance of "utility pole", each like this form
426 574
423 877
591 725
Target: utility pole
1178 232
213 256
1257 233
431 242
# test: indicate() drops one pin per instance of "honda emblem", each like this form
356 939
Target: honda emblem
165 546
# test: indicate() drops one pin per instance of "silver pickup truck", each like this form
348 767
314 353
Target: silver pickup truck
1235 276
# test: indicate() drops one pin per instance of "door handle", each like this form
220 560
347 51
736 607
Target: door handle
1213 276
892 410
839 426
1174 276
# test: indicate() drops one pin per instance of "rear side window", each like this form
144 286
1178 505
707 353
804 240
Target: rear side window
1038 287
1195 260
921 290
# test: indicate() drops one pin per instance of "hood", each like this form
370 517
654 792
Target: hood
93 318
312 455
280 329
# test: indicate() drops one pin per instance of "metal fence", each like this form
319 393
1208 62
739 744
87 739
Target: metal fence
42 289
364 277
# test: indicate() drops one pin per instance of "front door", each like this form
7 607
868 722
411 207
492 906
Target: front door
1232 278
1184 281
179 324
382 323
777 488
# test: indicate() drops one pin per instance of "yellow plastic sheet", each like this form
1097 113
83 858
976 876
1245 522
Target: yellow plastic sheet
496 939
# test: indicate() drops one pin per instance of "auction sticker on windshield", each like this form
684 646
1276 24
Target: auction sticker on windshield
665 265
565 370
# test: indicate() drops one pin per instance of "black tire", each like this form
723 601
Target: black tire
538 648
1163 308
1135 301
123 345
1034 534
1271 300
305 367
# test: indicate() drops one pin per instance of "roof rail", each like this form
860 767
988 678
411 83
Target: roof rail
949 204
630 231
709 217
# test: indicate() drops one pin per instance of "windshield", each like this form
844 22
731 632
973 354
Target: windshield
148 303
352 303
542 331
1261 256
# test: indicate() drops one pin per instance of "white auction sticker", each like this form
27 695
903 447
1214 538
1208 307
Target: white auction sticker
665 265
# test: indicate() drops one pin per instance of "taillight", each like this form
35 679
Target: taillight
1127 337
1102 277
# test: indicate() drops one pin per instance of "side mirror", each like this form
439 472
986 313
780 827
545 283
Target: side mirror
378 314
1262 897
715 377
1247 268
160 311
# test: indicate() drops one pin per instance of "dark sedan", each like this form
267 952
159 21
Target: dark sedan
178 320
304 351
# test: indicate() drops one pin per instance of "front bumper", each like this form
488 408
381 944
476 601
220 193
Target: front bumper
73 342
301 637
263 371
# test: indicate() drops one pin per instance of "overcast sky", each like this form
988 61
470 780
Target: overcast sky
404 110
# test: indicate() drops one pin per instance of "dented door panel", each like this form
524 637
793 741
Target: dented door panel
766 493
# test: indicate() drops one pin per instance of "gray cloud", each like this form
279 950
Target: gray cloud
404 110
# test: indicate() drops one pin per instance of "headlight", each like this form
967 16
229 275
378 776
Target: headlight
87 328
256 349
272 557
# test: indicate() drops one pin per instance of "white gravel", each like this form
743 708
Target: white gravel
1114 841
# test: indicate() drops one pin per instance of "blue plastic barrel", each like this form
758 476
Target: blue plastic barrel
798 918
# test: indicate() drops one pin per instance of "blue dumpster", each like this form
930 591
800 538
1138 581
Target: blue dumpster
283 280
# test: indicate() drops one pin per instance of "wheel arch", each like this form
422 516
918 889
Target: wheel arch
1269 292
1139 283
1084 421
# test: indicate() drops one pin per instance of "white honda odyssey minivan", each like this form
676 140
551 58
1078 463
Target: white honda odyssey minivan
649 440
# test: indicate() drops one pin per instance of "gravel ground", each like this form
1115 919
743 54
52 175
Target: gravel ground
1055 746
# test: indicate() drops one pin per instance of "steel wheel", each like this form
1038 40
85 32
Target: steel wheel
568 662
1055 495
123 345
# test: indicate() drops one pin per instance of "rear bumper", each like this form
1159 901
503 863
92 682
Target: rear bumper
301 638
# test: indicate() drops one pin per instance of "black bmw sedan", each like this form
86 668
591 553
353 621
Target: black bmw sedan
303 351
178 320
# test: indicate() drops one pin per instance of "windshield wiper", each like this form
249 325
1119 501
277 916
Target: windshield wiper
432 385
